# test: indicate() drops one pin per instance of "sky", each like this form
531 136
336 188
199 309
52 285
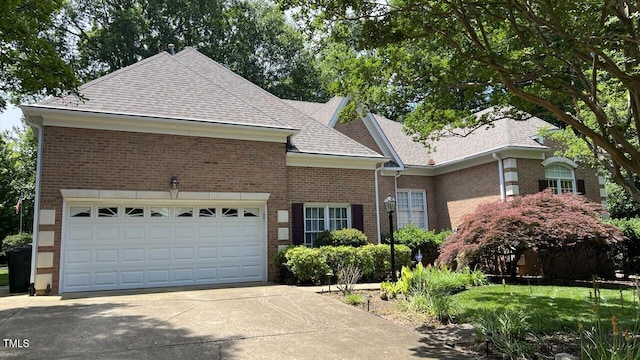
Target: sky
10 117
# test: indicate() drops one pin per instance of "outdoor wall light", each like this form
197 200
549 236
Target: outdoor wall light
390 206
173 187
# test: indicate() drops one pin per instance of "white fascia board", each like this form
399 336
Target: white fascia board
334 161
156 125
471 161
380 138
336 115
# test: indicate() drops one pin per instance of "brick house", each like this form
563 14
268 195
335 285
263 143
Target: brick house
176 171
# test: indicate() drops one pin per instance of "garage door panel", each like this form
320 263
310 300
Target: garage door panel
229 272
251 272
182 275
229 252
184 232
106 279
135 252
207 273
106 256
208 253
133 255
159 232
82 233
75 257
132 277
108 233
159 254
184 253
158 277
251 251
78 280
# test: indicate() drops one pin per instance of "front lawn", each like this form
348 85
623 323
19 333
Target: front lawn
4 276
551 308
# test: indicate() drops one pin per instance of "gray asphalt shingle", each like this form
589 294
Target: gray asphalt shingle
190 86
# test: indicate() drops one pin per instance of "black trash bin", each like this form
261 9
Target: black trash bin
19 264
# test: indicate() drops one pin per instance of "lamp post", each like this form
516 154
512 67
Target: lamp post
390 206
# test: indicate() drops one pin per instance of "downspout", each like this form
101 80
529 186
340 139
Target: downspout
375 174
503 195
395 182
36 206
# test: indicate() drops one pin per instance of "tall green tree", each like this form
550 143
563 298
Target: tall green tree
18 152
30 62
252 38
575 60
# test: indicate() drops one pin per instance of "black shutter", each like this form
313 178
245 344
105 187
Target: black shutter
580 187
357 221
543 185
297 223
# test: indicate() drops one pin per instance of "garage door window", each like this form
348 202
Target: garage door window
207 212
251 212
183 212
229 212
80 211
108 212
159 211
134 212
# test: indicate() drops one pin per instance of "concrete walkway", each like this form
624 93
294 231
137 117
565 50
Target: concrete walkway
262 321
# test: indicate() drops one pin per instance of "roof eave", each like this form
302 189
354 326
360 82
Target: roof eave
336 161
520 152
53 116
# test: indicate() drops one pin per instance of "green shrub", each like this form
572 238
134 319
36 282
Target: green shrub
323 239
17 240
343 237
354 299
420 239
349 237
312 264
605 342
279 261
308 265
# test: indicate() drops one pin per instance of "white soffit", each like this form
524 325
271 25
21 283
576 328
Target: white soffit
333 161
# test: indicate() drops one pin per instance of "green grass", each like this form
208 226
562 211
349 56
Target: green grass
551 308
4 277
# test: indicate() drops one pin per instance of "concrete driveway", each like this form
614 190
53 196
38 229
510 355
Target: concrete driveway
261 321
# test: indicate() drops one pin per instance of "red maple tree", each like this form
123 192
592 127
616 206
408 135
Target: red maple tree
496 234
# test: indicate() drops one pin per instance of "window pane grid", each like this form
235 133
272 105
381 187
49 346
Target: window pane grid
411 208
321 218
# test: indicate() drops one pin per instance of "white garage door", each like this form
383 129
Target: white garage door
122 246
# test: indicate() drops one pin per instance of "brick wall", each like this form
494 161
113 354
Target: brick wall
358 132
321 185
97 159
460 192
386 186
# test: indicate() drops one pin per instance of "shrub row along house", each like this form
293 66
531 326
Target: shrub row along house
176 171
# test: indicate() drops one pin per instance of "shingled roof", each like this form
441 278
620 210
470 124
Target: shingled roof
188 86
505 132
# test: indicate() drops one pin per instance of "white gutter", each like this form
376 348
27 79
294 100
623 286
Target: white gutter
375 176
36 205
501 176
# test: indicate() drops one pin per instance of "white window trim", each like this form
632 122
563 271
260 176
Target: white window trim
326 207
424 198
567 165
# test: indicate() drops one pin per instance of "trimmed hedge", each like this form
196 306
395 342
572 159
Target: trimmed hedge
17 240
311 265
342 237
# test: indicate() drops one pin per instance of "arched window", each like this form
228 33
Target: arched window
560 178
